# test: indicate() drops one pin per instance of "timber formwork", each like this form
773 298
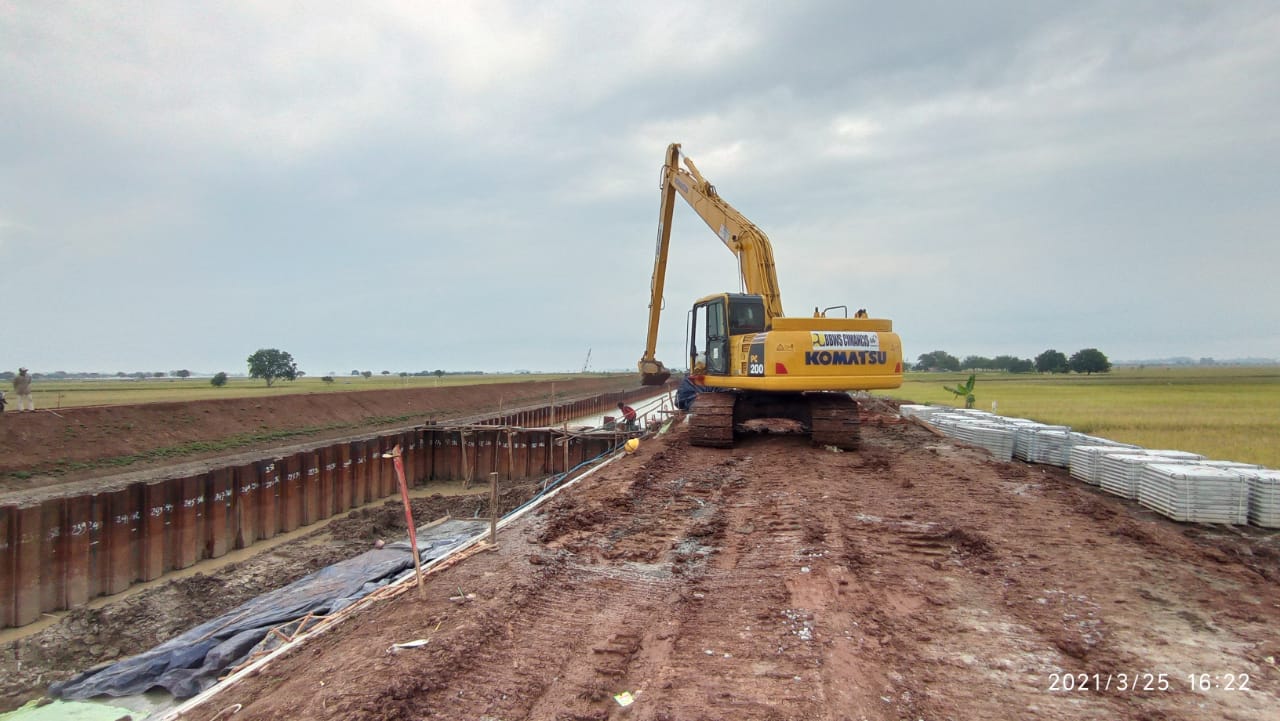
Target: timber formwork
61 552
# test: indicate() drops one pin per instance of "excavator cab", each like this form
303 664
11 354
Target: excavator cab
716 319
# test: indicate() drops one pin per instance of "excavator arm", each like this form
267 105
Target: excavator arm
747 242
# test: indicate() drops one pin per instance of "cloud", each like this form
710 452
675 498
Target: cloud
422 172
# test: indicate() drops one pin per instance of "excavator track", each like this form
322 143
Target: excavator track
712 421
834 421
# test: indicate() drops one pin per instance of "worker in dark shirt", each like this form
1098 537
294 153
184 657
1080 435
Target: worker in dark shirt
688 391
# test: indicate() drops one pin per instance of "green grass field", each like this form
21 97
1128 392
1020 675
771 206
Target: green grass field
1226 413
51 394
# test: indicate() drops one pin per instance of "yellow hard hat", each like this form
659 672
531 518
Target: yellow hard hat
632 445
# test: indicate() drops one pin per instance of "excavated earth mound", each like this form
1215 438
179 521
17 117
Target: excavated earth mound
48 448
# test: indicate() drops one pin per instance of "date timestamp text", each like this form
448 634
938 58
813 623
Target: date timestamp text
1146 682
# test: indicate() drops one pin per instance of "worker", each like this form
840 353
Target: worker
22 387
628 416
687 391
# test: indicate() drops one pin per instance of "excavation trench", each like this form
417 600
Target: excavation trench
128 623
69 544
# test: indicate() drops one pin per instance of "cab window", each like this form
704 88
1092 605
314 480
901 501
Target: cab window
746 316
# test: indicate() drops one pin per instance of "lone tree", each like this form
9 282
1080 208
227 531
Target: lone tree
270 364
937 360
1090 361
184 373
218 380
1052 361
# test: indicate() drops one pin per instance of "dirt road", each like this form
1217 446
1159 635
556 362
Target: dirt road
911 580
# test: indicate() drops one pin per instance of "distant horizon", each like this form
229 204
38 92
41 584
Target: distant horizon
130 375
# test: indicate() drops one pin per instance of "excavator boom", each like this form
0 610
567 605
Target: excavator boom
652 371
747 242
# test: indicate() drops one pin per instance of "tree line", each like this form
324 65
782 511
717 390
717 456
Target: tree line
1085 360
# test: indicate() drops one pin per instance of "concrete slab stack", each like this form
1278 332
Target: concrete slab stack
1188 492
1264 496
1084 460
1118 472
1030 445
996 438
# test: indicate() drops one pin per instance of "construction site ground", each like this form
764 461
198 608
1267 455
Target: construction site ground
912 579
53 447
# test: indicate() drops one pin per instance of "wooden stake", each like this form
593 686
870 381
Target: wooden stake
466 471
408 517
511 455
493 509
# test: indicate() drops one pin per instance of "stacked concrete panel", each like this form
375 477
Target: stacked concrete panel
1206 495
1188 492
1118 472
1035 441
997 439
1083 460
1264 495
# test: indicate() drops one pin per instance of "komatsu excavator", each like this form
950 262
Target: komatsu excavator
747 359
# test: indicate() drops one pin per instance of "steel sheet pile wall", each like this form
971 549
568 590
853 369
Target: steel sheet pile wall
61 552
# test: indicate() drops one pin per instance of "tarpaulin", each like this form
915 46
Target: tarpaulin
193 661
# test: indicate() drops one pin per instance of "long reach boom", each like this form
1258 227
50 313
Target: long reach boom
747 242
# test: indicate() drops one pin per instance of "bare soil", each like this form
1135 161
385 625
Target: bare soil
913 579
48 448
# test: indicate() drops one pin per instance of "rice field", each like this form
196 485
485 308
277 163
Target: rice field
1229 413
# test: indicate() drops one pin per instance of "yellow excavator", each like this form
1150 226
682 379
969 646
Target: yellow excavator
748 361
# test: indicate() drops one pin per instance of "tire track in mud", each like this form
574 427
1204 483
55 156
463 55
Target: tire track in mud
949 546
1034 576
739 649
912 579
612 567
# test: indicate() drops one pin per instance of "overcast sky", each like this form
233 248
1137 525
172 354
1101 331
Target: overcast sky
420 185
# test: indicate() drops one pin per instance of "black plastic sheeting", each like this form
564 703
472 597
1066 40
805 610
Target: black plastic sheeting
193 661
